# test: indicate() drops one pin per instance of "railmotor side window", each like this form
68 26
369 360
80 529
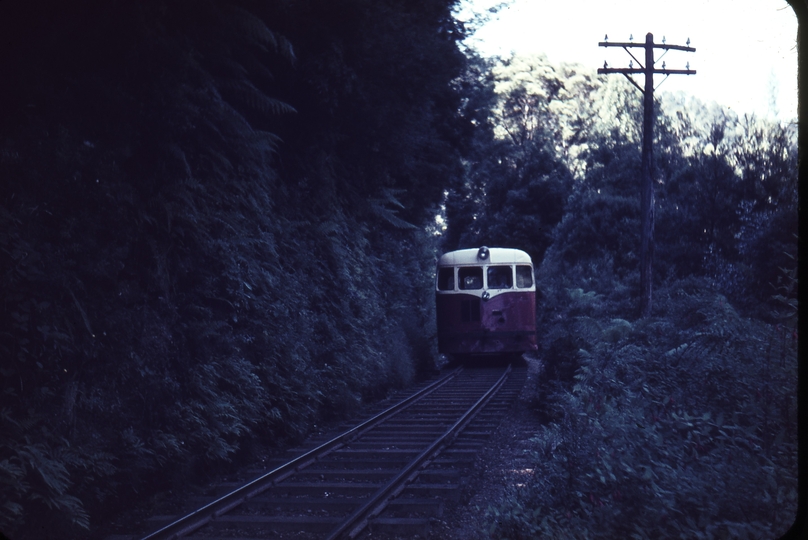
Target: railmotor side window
524 277
500 277
446 279
470 277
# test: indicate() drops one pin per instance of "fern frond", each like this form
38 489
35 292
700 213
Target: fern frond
219 163
51 471
266 138
327 227
10 473
244 92
253 29
379 208
11 509
74 509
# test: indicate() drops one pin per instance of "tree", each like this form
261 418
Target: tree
515 186
725 180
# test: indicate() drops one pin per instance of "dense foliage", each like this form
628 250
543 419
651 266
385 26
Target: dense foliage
679 425
211 222
682 424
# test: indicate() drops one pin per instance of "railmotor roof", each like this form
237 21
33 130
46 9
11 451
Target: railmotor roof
484 255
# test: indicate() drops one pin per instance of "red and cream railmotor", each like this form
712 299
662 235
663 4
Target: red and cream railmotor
485 302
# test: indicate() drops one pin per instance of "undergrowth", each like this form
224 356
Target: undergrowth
681 425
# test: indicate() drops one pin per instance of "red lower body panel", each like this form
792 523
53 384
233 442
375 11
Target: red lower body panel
506 323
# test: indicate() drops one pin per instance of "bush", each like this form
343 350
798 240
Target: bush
679 425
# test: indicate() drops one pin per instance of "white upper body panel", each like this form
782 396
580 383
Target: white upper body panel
495 256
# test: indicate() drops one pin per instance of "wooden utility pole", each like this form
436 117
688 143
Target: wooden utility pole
647 243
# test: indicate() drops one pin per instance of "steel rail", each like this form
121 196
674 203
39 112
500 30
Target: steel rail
202 516
357 521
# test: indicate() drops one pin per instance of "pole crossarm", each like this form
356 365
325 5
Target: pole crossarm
643 45
635 71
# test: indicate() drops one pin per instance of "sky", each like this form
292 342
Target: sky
746 50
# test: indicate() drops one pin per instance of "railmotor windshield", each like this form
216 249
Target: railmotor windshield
446 279
524 277
500 277
470 277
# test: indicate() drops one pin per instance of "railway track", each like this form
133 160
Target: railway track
389 475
